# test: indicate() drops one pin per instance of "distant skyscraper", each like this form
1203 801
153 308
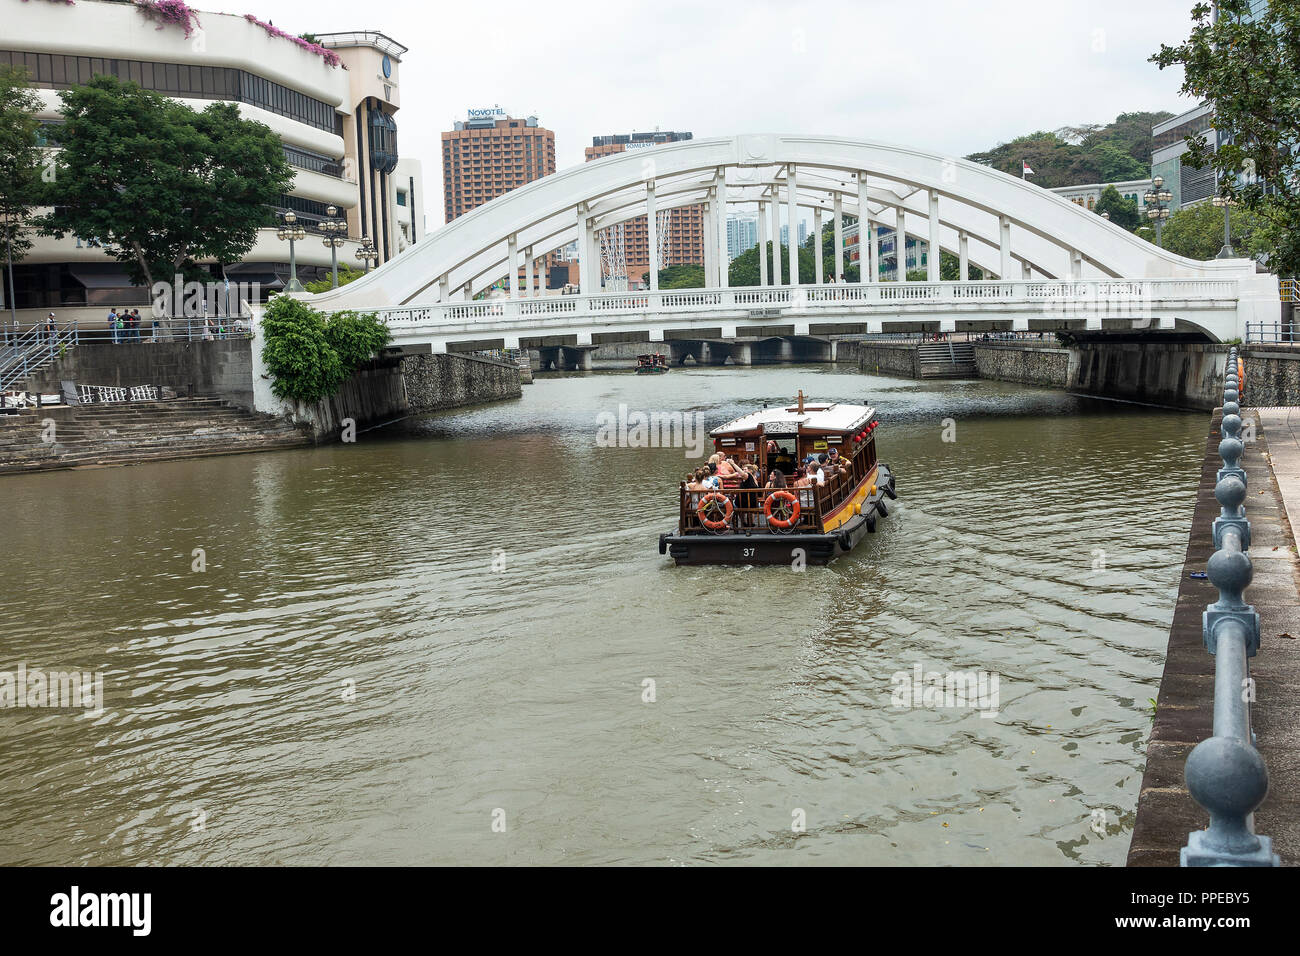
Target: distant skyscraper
684 242
803 234
742 235
488 155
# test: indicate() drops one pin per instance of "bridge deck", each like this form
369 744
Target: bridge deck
1166 813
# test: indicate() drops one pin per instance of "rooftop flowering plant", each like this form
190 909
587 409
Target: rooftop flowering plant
326 54
174 12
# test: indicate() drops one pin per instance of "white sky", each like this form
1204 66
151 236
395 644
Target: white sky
944 75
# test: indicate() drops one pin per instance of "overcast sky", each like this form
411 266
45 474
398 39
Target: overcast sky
954 76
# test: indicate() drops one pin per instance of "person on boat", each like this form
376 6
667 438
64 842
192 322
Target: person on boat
775 479
711 481
727 467
801 479
813 471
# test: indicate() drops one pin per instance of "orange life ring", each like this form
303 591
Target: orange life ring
788 496
715 524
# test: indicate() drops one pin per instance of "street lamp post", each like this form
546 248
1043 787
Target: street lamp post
1157 199
1226 252
292 232
366 254
335 230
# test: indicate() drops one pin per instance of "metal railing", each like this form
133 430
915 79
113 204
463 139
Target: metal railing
1278 333
24 352
1225 773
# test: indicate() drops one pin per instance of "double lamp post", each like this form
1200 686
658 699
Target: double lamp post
335 235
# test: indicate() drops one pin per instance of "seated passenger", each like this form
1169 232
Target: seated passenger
727 467
813 471
801 479
775 479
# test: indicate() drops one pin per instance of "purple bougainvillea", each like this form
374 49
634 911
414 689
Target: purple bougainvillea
174 12
328 55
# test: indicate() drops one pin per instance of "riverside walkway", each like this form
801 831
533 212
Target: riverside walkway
1166 812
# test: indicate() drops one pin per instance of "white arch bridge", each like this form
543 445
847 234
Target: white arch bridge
1057 265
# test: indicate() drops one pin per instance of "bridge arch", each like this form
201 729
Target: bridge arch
1007 227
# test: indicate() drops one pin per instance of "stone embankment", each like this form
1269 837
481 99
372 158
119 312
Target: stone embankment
41 439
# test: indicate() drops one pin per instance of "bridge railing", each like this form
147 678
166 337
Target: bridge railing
1104 296
1225 773
1280 333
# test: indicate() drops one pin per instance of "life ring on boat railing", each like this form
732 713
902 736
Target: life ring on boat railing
709 505
791 499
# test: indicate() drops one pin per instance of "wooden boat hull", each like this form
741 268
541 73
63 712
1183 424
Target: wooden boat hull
651 371
783 549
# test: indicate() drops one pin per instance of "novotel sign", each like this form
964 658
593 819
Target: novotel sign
483 114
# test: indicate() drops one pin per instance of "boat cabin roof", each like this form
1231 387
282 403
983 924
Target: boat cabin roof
788 420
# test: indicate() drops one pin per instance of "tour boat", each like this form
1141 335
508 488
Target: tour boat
651 364
791 526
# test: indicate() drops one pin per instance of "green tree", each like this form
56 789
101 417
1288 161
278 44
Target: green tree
1197 232
161 185
1115 165
298 352
355 337
346 274
744 270
21 159
950 268
1123 212
1250 70
687 275
1077 155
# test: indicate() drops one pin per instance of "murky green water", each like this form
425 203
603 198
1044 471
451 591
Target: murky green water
351 680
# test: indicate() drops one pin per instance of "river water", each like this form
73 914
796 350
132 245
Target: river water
455 642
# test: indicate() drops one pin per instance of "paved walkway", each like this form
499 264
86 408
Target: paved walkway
1166 813
1283 428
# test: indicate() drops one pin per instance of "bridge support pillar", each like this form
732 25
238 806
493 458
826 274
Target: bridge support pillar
742 353
1019 325
947 325
656 335
785 352
678 352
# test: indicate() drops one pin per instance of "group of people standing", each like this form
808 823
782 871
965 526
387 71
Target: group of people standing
124 325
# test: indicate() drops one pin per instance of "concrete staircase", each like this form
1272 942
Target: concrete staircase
946 360
121 434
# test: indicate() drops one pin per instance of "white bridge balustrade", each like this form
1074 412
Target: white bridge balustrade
1052 259
1159 304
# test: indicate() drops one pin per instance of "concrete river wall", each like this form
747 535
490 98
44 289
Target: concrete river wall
387 388
1182 375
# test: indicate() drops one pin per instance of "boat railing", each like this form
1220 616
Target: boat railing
747 511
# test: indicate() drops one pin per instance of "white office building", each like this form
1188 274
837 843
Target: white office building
333 105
